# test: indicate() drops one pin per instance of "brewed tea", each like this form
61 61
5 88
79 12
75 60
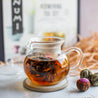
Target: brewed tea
45 71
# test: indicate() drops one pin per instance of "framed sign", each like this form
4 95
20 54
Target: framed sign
23 19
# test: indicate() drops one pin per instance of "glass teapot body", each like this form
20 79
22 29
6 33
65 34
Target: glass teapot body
45 63
45 71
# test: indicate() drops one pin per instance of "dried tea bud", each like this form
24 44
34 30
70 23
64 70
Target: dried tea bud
86 73
83 84
94 79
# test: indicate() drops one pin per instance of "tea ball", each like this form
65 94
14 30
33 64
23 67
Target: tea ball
83 84
94 79
86 73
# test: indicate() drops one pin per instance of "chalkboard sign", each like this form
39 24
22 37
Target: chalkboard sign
1 34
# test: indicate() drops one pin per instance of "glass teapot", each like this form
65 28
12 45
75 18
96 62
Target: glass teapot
46 63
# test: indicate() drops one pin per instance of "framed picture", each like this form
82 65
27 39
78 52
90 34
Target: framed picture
24 19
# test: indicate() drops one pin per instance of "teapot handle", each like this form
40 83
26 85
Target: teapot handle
74 70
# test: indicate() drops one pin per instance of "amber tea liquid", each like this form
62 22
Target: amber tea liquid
45 71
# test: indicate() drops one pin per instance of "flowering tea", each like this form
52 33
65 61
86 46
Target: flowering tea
86 73
45 71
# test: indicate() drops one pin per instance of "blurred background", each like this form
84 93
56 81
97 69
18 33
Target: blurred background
24 19
88 17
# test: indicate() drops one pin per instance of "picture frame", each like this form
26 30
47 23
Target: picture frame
7 27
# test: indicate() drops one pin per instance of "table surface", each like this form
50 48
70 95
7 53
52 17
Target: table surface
12 87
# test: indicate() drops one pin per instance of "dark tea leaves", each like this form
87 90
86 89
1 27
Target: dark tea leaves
44 71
